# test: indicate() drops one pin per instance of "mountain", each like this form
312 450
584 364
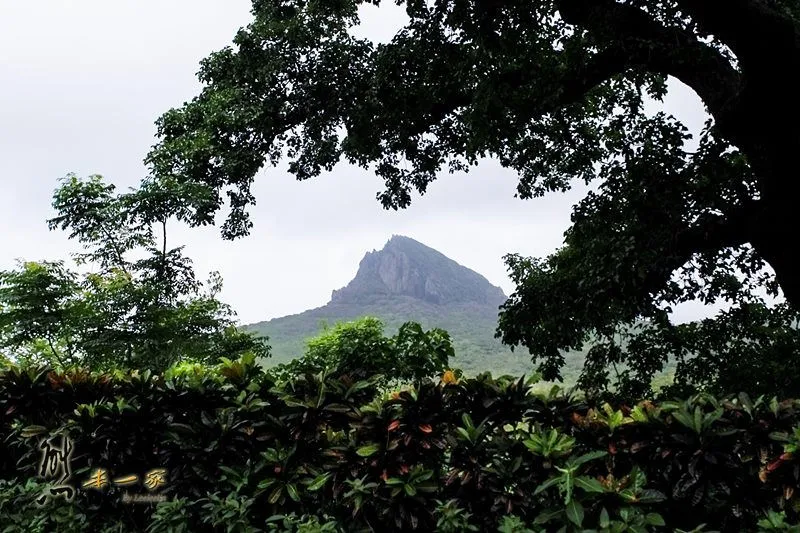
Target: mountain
405 267
408 281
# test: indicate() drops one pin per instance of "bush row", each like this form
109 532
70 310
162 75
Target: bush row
242 453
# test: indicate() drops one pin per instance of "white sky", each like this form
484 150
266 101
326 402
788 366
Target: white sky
81 84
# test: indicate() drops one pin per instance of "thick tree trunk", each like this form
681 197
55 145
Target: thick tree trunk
783 256
762 122
776 236
776 232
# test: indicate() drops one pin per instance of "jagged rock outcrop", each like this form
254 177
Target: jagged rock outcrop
408 281
408 268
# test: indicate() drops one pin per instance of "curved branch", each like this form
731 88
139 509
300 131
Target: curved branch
714 232
753 30
637 40
708 234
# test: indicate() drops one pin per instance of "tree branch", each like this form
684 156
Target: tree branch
117 250
754 31
714 232
55 352
636 40
163 248
708 234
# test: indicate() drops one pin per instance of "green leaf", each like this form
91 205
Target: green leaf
275 495
467 420
32 431
591 456
575 512
684 418
182 428
319 482
546 485
651 496
604 518
292 491
206 419
589 484
639 415
655 519
266 483
230 471
366 451
547 516
464 433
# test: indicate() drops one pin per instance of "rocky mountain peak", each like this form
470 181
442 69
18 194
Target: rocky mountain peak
409 268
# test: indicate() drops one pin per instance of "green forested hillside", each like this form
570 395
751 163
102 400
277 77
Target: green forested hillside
408 281
471 328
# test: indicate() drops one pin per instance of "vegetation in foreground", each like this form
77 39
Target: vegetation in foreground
244 452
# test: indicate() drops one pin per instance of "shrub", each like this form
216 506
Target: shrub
316 454
360 349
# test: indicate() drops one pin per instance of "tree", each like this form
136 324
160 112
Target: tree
555 90
149 312
360 350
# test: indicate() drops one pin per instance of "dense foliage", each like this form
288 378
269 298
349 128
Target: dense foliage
323 453
471 330
134 303
360 350
556 90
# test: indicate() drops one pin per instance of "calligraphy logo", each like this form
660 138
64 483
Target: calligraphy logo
56 466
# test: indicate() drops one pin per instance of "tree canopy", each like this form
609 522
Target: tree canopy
359 349
556 91
139 305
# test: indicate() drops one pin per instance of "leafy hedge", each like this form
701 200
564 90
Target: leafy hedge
324 453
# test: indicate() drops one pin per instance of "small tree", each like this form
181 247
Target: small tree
148 312
360 350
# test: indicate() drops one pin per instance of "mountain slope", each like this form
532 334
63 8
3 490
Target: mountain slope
408 281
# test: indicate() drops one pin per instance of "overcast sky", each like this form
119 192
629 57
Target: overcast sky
81 84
